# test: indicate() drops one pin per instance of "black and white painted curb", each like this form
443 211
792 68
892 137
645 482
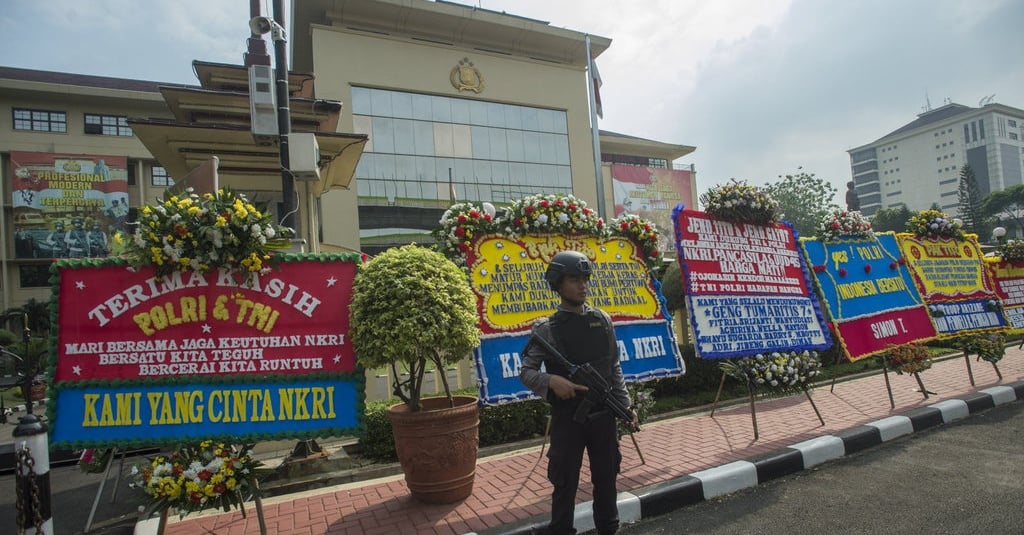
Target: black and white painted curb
668 496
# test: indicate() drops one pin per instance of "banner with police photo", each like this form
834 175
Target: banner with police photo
67 205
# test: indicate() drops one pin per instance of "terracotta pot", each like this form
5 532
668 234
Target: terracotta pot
437 447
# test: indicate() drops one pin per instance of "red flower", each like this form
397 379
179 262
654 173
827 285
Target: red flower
205 475
461 219
460 232
487 217
544 204
518 221
464 247
572 206
181 230
867 268
624 225
835 225
529 209
474 214
587 211
559 202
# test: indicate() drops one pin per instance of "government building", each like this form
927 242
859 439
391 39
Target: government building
919 164
403 106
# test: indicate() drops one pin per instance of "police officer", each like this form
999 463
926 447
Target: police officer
582 334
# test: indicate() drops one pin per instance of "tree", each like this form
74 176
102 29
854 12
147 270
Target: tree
1006 205
969 203
891 219
804 200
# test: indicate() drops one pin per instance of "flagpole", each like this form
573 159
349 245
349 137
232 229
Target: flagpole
598 175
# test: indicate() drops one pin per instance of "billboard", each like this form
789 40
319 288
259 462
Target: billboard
651 193
67 205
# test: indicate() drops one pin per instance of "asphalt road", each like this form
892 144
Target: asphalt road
963 478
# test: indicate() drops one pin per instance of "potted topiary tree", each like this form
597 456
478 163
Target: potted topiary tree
412 307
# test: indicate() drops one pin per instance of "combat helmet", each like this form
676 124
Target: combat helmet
566 263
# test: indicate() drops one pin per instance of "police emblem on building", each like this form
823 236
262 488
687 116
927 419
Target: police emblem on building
466 77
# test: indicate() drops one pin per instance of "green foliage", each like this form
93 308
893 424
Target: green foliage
804 200
1006 205
410 306
672 287
378 442
891 219
969 202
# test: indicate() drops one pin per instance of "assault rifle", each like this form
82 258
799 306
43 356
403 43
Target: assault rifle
599 391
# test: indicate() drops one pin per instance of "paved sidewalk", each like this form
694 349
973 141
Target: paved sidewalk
688 459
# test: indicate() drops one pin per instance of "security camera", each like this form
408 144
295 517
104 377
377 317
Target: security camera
260 25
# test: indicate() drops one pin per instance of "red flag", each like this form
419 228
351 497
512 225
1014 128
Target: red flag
596 79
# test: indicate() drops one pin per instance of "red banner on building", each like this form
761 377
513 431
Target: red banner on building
67 205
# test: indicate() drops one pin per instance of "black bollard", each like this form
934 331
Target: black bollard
32 478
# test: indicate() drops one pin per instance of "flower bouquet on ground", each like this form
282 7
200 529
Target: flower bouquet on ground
94 461
1012 251
209 475
935 224
989 347
780 371
199 233
907 358
740 203
839 224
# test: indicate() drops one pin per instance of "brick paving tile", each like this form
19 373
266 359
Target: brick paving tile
513 487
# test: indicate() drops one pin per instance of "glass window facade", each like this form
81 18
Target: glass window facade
40 120
423 146
107 125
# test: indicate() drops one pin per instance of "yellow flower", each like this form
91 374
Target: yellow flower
221 221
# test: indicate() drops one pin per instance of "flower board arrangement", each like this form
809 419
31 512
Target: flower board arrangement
190 232
778 370
907 358
1012 251
935 224
642 399
539 214
741 203
198 477
839 224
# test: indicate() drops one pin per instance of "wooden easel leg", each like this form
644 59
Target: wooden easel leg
998 373
888 385
970 373
920 383
99 491
162 526
813 406
259 508
753 411
835 362
718 395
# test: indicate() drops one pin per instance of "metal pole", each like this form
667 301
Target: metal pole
288 197
595 134
32 452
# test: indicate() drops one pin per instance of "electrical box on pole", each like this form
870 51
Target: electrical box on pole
263 105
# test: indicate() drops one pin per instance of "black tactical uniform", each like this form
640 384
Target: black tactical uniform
580 337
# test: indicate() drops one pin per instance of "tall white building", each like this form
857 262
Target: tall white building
919 163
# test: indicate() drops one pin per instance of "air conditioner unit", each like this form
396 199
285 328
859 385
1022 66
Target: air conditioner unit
262 105
304 156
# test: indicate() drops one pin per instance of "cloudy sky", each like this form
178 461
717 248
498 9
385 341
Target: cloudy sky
760 87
